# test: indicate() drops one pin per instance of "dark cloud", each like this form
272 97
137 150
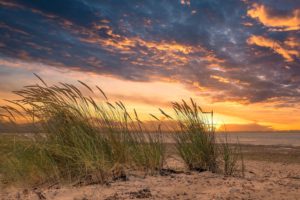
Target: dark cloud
202 44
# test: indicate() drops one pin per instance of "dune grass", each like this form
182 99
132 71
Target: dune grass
79 138
196 144
82 137
195 139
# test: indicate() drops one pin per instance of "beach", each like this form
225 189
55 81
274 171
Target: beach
158 100
272 172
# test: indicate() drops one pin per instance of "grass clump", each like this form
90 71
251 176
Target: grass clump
195 139
78 138
196 144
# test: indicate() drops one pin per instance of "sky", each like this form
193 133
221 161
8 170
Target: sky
239 58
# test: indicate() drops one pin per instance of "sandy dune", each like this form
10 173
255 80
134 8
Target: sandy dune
263 180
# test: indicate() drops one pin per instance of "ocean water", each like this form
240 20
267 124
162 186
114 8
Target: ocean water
252 138
264 138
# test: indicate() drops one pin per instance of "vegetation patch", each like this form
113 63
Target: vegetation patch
83 137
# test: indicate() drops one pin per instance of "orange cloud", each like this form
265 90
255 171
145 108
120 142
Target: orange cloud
247 24
235 82
140 95
292 42
167 54
277 47
164 52
220 79
281 23
244 127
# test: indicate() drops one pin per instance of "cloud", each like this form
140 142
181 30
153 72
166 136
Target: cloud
159 53
185 2
287 54
292 42
244 127
207 51
288 22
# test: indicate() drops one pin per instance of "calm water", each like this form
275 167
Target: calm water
283 139
272 138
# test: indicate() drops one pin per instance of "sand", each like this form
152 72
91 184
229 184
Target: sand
263 180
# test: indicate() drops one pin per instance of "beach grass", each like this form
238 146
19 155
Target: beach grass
82 137
78 137
195 138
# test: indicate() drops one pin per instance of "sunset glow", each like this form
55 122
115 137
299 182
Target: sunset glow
240 60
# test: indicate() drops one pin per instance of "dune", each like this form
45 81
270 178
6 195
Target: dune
264 179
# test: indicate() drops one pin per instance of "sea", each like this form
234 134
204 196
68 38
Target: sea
263 138
254 138
250 138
